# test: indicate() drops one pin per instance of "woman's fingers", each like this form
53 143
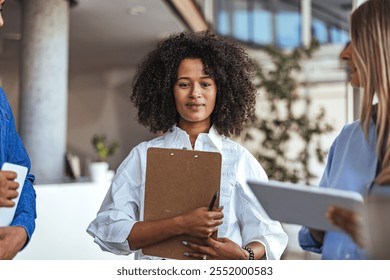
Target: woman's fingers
347 220
198 251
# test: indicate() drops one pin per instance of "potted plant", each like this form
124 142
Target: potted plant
98 169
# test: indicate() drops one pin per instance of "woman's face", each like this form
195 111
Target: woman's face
1 8
195 93
348 55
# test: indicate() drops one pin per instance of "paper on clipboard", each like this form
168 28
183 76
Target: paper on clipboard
302 204
7 213
178 181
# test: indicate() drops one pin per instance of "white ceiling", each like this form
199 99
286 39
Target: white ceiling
103 34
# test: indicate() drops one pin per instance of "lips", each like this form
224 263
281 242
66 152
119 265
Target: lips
195 104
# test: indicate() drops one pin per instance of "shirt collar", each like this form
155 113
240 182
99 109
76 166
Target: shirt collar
176 136
215 138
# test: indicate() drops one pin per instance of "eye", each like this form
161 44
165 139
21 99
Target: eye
205 84
183 84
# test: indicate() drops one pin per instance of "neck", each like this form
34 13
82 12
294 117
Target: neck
193 129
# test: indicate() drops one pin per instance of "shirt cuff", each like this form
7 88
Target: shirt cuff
112 237
307 242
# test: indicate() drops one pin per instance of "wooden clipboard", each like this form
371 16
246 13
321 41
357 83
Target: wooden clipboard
178 181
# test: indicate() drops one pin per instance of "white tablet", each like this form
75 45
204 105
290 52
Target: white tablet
302 204
7 213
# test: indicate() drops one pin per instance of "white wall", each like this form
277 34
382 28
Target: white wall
64 212
100 103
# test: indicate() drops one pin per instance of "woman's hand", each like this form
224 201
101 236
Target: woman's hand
12 240
318 235
201 222
349 221
8 188
221 249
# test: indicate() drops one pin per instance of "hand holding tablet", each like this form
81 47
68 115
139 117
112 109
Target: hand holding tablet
304 205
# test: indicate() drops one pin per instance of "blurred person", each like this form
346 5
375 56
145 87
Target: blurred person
196 89
15 236
360 155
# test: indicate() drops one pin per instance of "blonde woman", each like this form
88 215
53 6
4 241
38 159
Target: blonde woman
360 155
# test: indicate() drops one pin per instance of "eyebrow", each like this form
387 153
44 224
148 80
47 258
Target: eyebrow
188 78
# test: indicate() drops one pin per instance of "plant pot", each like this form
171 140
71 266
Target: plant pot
98 171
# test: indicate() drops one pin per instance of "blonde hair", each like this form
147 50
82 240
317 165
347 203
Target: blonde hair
370 35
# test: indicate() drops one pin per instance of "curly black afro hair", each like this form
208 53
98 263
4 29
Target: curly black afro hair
223 59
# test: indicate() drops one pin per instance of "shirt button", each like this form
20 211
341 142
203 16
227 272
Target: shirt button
347 256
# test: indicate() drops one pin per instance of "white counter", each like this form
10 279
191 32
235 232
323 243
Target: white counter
64 211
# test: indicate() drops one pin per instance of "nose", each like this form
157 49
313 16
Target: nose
346 52
195 91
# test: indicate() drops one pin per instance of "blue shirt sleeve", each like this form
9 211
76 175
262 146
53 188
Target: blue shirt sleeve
12 150
306 240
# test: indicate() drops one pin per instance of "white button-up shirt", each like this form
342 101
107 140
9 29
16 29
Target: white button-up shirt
244 219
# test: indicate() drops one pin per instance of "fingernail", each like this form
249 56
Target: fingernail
186 254
184 242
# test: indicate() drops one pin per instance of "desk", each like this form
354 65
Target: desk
64 211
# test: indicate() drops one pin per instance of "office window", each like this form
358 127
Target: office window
288 30
320 31
263 22
339 36
263 29
241 24
223 23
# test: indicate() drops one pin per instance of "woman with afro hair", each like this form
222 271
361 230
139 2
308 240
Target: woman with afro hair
195 89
